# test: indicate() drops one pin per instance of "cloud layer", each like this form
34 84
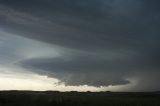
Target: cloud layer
96 43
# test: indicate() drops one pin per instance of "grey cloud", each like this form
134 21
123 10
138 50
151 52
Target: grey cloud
8 47
94 70
118 39
79 70
120 26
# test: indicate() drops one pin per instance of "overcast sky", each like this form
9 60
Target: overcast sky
82 45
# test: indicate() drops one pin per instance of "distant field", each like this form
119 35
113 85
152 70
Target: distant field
28 98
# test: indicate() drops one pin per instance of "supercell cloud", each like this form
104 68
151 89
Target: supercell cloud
99 43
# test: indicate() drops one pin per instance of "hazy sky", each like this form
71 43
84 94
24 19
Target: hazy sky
80 45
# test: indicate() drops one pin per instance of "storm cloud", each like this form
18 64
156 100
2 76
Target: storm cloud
98 42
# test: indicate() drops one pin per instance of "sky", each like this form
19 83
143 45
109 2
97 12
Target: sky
80 45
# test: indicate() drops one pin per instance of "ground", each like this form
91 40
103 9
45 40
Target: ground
55 98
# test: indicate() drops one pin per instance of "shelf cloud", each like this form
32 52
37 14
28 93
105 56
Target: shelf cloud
96 43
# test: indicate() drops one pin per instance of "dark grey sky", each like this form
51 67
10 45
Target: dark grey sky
86 42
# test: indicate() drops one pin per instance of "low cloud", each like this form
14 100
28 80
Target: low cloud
98 43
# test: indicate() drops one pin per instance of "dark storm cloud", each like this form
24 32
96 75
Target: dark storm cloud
98 24
94 69
79 70
113 39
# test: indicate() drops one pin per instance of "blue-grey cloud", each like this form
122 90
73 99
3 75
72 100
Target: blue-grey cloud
107 41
